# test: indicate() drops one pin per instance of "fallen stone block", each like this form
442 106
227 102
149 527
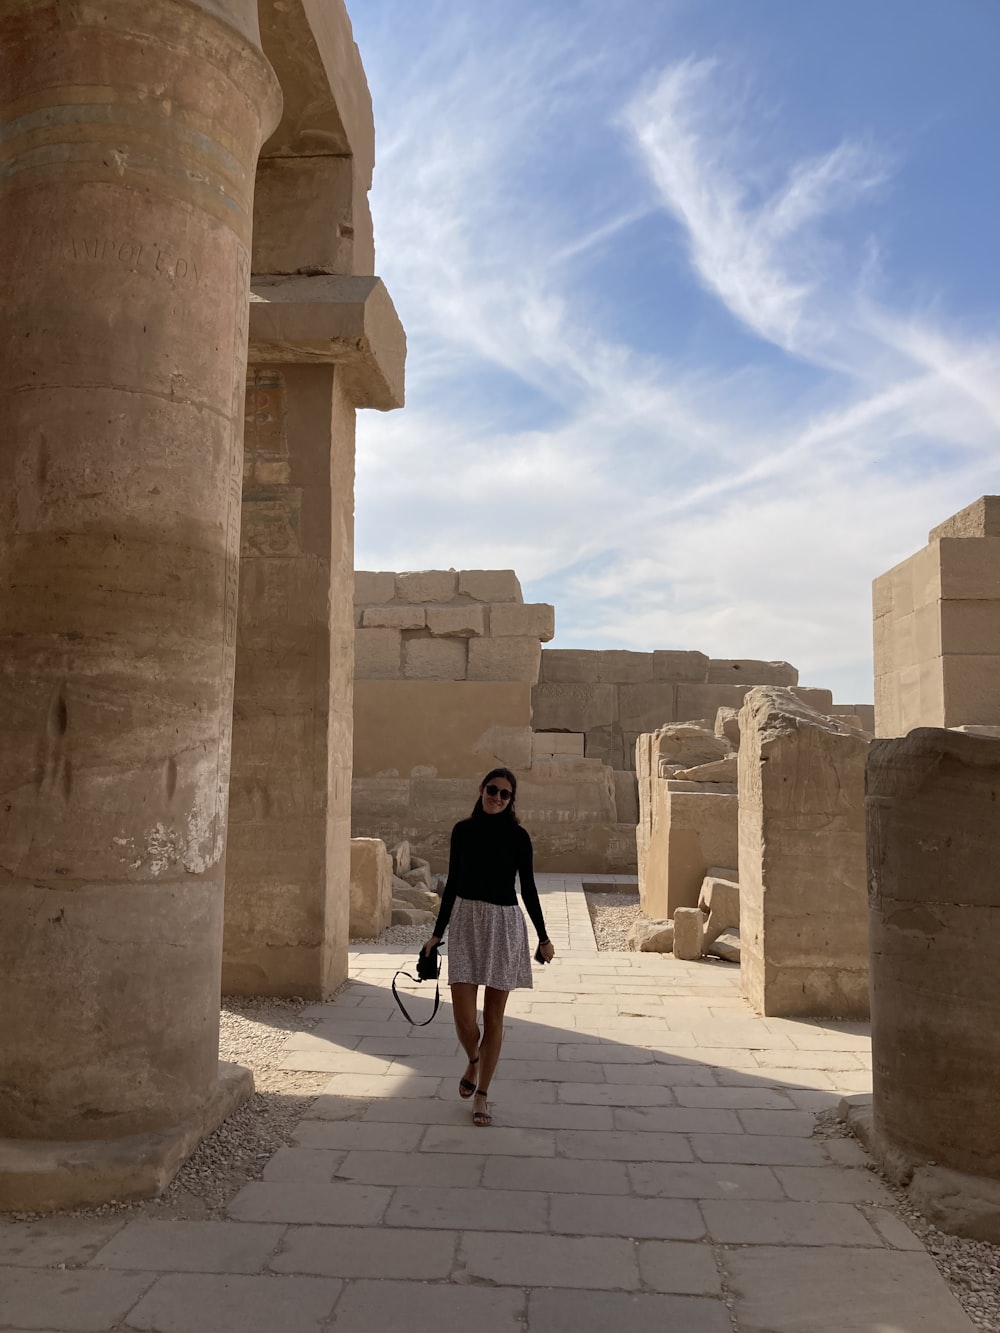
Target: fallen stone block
404 915
400 858
719 900
727 723
418 875
415 895
651 936
683 743
720 770
689 926
371 888
726 947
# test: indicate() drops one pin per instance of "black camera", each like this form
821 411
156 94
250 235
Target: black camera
428 965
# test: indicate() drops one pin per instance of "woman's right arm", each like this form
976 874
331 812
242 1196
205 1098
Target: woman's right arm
451 886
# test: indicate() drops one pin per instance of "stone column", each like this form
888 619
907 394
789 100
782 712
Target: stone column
932 800
937 628
127 183
803 909
319 348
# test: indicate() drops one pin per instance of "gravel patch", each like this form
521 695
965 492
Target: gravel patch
612 915
970 1267
398 939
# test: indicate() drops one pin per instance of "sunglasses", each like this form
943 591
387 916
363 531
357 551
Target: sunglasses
504 793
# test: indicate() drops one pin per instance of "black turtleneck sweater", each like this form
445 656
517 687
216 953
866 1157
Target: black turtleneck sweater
487 852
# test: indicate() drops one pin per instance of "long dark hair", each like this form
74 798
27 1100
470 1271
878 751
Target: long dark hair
510 814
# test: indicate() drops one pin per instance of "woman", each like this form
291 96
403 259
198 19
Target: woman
488 945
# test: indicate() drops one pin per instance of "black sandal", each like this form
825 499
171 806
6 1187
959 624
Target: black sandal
482 1118
465 1088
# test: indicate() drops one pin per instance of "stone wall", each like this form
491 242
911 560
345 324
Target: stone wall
803 900
937 628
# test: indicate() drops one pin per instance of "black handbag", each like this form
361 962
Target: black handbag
428 969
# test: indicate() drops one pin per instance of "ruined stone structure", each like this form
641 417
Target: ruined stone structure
937 628
803 904
128 214
445 663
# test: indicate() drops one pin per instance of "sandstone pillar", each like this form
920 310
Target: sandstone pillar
319 348
126 205
803 908
935 948
937 628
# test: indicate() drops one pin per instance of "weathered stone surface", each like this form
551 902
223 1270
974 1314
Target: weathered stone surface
727 723
414 895
688 929
504 659
747 671
979 519
393 617
935 950
954 1201
434 659
371 888
671 665
125 292
465 622
726 946
651 936
803 901
548 744
626 797
719 899
720 770
568 666
400 854
646 707
489 585
534 620
404 915
418 874
690 746
371 587
621 667
427 585
377 654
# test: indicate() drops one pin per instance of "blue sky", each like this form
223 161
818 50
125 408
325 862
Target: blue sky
702 307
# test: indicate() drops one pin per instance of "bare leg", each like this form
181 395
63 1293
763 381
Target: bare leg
463 1008
494 1004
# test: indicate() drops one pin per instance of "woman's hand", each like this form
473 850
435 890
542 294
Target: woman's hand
432 943
547 950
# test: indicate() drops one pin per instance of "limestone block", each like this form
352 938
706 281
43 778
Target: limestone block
377 654
403 915
569 666
418 874
545 744
690 746
969 570
685 833
699 701
504 659
509 746
607 744
415 895
651 936
534 620
803 895
672 665
434 659
688 929
371 888
626 797
567 791
719 900
489 585
646 707
933 848
464 622
371 588
427 585
621 667
303 199
557 706
720 770
393 617
748 671
726 946
863 713
979 519
400 858
820 700
727 723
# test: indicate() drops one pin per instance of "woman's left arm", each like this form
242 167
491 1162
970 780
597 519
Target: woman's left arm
529 890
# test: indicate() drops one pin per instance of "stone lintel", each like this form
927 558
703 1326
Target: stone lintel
40 1176
349 321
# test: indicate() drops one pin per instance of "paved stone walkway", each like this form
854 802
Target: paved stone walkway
651 1167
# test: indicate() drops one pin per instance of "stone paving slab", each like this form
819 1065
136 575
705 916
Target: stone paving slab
652 1165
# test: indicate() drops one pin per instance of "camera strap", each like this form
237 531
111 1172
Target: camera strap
418 979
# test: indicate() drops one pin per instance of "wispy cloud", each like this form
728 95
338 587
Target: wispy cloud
741 506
